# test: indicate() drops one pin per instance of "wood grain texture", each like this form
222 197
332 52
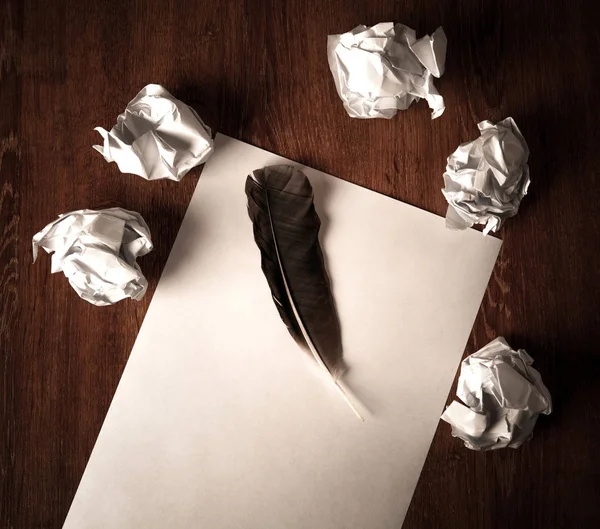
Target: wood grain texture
257 70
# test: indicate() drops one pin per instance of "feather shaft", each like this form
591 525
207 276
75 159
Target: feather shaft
286 228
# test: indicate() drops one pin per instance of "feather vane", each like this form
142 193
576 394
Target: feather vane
286 230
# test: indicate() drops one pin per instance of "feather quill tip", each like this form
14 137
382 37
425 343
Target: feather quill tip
349 401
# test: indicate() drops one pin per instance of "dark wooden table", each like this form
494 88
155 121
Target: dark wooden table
257 70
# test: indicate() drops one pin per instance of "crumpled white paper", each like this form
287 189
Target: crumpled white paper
503 395
97 252
157 137
383 69
486 179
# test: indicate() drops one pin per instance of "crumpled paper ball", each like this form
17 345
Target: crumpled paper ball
383 69
503 395
486 179
97 251
157 137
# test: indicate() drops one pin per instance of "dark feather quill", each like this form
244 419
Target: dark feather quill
286 230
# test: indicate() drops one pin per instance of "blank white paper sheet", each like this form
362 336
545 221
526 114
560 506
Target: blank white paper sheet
220 421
